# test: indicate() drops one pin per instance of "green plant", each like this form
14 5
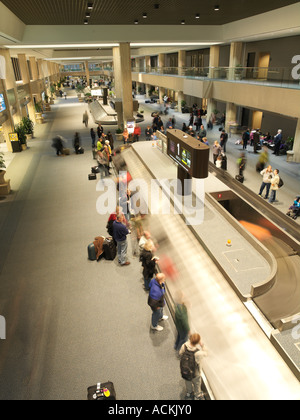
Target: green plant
80 88
52 90
46 98
183 104
38 107
20 130
290 143
28 125
2 161
119 131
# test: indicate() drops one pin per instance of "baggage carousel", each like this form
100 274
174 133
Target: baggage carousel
230 289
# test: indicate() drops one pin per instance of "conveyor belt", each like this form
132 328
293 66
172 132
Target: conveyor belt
242 362
283 299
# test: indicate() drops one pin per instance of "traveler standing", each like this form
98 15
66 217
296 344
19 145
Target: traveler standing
120 233
246 138
156 301
148 261
192 354
277 142
85 119
216 151
181 322
267 175
148 133
274 186
93 137
256 140
223 140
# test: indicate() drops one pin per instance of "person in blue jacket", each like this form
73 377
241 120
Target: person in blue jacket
157 301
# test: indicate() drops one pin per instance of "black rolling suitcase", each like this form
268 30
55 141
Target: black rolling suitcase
240 178
92 177
109 249
92 252
102 392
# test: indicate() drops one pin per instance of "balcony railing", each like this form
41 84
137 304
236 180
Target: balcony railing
270 76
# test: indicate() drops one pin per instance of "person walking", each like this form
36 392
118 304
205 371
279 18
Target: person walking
267 175
274 186
156 301
120 233
181 322
192 353
85 119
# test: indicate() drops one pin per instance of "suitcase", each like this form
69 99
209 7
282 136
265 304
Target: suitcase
66 152
92 252
102 392
109 249
240 178
95 170
92 177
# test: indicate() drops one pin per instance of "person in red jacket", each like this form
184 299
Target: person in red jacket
137 132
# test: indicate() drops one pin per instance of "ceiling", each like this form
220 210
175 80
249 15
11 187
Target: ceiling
125 12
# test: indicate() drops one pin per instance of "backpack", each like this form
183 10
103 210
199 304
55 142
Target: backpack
188 365
280 183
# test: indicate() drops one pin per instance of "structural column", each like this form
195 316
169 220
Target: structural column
123 81
214 59
231 110
181 61
296 148
180 99
87 73
26 81
236 58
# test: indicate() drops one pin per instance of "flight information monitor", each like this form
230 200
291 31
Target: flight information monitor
189 153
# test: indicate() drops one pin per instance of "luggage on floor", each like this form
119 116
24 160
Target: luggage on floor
92 252
240 178
109 249
66 152
80 151
102 392
95 170
92 177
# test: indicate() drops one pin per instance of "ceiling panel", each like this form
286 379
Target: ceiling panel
125 12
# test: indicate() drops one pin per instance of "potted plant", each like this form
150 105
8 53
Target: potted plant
80 90
238 72
119 134
52 91
47 105
20 130
39 113
28 127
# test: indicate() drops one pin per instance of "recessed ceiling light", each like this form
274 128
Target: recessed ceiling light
183 22
217 8
86 22
197 16
87 15
90 6
145 15
136 22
